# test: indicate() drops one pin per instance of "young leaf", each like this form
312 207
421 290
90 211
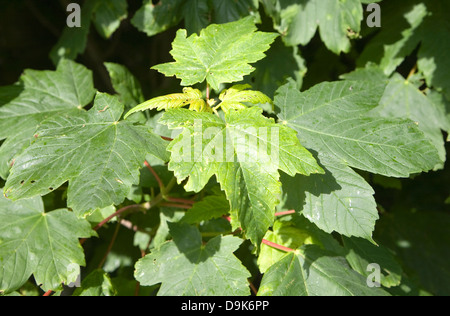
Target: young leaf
43 244
190 96
234 97
212 206
244 152
98 155
44 94
332 118
311 271
186 267
221 54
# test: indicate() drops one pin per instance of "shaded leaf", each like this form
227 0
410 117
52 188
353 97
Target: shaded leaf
185 267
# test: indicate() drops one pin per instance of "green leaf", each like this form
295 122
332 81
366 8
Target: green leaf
339 200
45 94
43 244
73 40
190 96
197 14
298 21
212 206
227 11
234 97
285 234
186 267
97 283
221 54
125 84
332 118
406 26
281 63
244 152
108 15
153 19
402 99
311 271
98 155
361 253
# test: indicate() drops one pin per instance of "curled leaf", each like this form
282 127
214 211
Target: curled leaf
190 96
234 97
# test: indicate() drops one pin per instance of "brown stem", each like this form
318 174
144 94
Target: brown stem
184 206
158 179
111 243
180 200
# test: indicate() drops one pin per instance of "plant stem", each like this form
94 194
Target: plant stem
180 200
184 206
285 213
113 240
277 246
158 179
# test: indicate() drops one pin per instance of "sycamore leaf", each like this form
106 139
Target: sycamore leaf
43 244
190 96
221 54
244 152
125 84
108 16
98 155
212 206
186 267
332 118
339 200
44 94
298 21
285 234
403 100
197 14
234 97
408 26
311 271
97 283
361 253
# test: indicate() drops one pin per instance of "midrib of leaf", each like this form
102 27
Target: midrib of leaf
355 139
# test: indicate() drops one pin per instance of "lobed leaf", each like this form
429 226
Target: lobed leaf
245 153
43 244
185 267
99 156
220 54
